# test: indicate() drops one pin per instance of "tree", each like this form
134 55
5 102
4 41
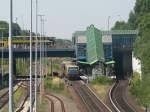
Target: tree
139 19
4 24
142 7
144 23
121 25
16 29
132 20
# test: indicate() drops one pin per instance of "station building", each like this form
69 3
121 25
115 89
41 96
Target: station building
112 50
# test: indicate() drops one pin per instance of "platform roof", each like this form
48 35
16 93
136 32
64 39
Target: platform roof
78 33
110 62
120 32
87 63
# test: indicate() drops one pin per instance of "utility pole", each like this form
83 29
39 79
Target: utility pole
46 55
2 60
43 57
41 17
10 58
108 22
31 59
36 45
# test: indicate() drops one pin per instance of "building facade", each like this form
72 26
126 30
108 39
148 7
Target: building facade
108 47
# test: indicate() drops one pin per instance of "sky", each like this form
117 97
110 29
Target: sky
64 17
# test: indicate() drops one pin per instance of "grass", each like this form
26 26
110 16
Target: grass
102 80
135 88
18 95
101 90
54 84
101 86
43 106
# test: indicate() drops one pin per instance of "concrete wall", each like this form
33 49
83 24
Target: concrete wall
136 64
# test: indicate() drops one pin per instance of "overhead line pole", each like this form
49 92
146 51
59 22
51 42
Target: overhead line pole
10 58
31 59
36 45
108 21
46 56
43 58
40 58
2 59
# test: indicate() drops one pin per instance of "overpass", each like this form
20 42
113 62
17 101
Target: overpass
50 52
25 53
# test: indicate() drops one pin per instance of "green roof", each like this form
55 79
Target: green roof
87 63
110 62
118 32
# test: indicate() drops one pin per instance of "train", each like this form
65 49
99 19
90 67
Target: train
24 42
70 70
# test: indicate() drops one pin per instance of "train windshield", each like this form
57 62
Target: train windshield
73 70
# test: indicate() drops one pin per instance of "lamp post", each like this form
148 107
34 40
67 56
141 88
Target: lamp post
10 58
31 58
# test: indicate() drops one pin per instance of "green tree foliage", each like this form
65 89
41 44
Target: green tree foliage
16 28
144 93
131 20
142 7
121 25
135 84
139 19
142 46
102 80
4 24
25 32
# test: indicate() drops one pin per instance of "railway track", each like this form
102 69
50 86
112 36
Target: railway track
5 97
49 97
26 98
117 96
89 99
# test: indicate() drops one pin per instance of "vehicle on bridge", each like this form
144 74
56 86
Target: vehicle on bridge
70 70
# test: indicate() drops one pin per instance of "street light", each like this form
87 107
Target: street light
10 58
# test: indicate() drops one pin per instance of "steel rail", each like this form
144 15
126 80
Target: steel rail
115 100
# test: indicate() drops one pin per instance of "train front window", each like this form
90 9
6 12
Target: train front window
73 70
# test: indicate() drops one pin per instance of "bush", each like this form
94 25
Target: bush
48 83
102 80
135 84
54 84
